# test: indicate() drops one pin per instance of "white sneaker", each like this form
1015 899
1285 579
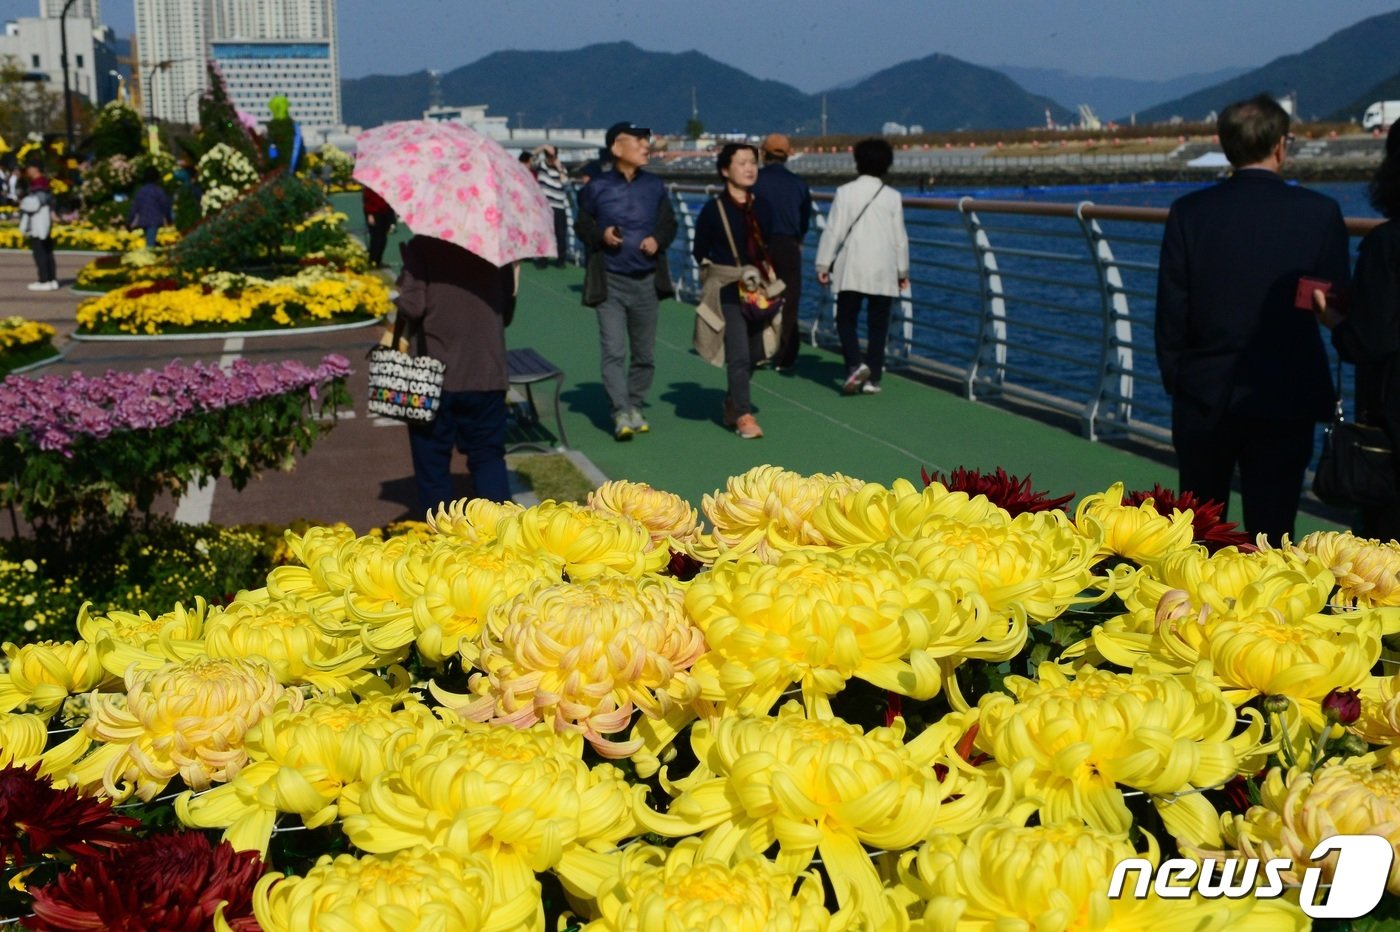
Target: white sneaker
51 286
38 286
870 388
858 377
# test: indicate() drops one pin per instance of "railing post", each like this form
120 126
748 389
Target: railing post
819 220
988 365
1112 402
686 221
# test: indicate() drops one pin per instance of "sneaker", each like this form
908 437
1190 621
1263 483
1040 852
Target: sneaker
38 286
858 377
731 417
747 428
870 388
622 427
639 423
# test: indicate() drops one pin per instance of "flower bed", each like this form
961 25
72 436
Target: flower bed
73 448
23 343
88 238
315 296
841 706
106 273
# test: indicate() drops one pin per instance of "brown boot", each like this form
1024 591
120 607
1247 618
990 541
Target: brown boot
731 417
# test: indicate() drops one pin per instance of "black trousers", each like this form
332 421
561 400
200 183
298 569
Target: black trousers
877 327
1272 456
561 239
379 236
786 253
43 258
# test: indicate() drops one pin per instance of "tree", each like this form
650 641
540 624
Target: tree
219 122
118 132
694 129
26 106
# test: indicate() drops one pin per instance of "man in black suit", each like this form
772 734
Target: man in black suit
1245 367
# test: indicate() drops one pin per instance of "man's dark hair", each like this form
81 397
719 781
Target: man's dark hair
874 156
726 155
1249 129
1385 185
151 175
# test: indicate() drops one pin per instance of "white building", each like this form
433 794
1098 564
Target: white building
36 45
296 39
172 40
302 70
82 9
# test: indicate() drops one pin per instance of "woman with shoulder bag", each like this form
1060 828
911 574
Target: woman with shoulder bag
1368 335
738 278
864 256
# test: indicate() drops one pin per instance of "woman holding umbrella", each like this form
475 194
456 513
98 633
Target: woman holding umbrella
475 211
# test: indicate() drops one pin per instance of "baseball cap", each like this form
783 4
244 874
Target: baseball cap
777 144
626 128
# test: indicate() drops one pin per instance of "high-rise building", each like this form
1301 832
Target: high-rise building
82 9
172 37
36 44
263 48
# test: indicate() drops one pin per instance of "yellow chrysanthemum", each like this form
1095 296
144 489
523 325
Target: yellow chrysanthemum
320 577
1271 640
824 786
43 674
140 630
1138 532
677 890
522 798
1056 879
1367 572
286 635
1073 743
301 761
460 586
590 543
768 511
425 888
819 619
666 516
1297 810
583 657
471 520
384 575
187 720
23 739
872 514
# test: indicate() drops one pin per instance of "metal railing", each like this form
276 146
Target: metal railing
1047 303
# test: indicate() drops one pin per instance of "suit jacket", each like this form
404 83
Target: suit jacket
1369 336
1229 338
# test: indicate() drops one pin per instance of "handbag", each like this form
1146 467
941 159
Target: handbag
760 288
403 387
1357 465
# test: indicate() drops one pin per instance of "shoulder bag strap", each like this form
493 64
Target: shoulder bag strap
728 233
842 245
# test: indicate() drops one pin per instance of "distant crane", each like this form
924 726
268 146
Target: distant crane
1087 119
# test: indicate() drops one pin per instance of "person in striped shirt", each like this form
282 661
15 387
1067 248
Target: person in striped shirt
552 178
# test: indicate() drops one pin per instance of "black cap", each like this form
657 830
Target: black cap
626 128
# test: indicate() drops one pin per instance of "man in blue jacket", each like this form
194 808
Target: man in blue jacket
626 221
1244 366
790 208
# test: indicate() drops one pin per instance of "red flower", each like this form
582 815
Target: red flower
1342 705
173 882
1210 530
36 819
1008 492
683 566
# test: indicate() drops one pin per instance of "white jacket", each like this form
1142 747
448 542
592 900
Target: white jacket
36 215
876 251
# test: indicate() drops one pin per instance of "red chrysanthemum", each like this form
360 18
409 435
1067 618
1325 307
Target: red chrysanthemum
37 820
1013 494
1208 528
683 566
172 882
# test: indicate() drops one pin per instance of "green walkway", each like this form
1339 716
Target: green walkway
809 426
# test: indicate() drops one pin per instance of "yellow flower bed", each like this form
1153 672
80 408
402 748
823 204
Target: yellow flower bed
226 301
85 236
16 333
874 707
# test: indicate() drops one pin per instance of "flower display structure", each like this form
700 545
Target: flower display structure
75 446
521 718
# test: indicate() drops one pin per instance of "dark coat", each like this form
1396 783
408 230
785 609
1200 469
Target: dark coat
456 304
1229 337
595 279
150 207
1369 336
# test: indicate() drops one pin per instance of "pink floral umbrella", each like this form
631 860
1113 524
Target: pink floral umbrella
450 182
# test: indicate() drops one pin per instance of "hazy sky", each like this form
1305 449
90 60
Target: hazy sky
815 44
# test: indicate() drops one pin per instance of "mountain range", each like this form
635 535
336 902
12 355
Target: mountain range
601 84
